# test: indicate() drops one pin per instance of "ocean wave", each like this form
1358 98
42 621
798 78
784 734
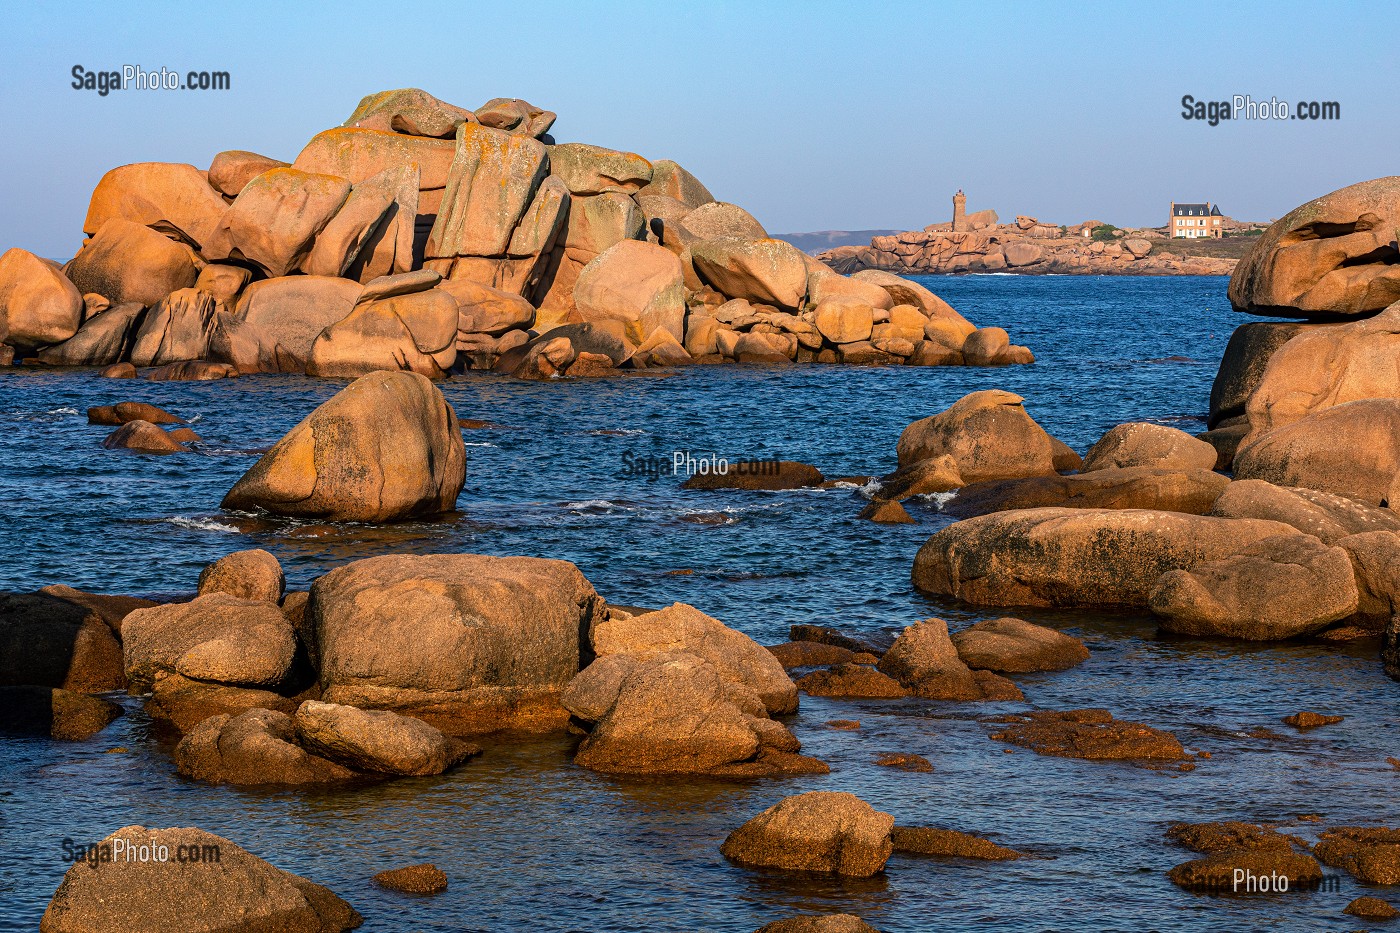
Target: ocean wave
617 432
201 524
937 499
477 444
595 507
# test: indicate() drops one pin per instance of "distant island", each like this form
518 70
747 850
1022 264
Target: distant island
1197 240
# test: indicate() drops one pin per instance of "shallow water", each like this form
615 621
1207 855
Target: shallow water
529 841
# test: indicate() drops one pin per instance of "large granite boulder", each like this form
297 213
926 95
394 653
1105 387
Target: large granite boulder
467 643
274 221
231 170
411 111
924 661
215 637
254 574
1248 352
1276 588
492 180
516 116
989 436
639 285
357 154
126 262
764 270
49 639
340 243
276 322
737 657
1190 491
589 169
103 339
38 304
171 198
216 888
822 831
1074 557
670 180
386 448
1327 366
389 328
1320 514
1333 256
177 329
1349 450
1141 444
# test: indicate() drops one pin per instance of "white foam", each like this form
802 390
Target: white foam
201 524
939 499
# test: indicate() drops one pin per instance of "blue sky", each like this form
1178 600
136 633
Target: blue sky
813 115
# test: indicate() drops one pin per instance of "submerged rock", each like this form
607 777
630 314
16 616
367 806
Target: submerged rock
413 879
759 474
792 654
386 448
824 923
1304 720
1245 871
820 831
142 437
927 840
1091 734
1371 854
218 888
1371 908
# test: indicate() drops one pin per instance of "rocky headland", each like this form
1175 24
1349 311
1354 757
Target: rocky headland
1030 247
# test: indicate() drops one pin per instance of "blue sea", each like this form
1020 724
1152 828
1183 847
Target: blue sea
530 842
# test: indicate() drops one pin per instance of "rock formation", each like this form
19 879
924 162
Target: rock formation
258 263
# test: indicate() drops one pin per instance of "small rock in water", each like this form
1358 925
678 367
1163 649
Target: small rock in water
185 435
1371 908
853 681
1304 720
142 437
886 512
414 879
792 654
904 761
119 371
843 724
1370 853
927 840
822 831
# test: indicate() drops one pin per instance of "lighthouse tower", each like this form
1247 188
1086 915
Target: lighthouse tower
959 212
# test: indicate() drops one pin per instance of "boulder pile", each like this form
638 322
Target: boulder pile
424 237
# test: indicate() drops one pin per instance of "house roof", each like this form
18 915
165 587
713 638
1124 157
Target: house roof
1215 211
1190 210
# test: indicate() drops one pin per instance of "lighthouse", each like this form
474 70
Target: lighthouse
959 212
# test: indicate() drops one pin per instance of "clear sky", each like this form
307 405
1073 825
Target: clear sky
814 115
